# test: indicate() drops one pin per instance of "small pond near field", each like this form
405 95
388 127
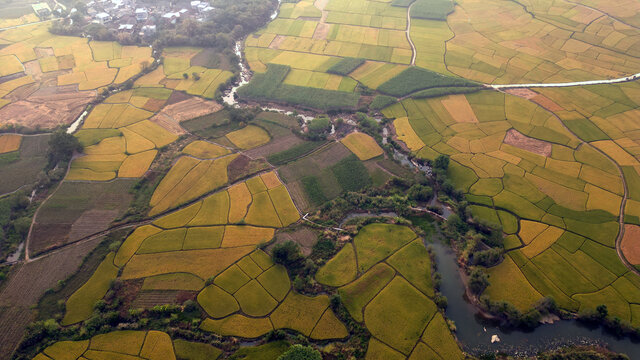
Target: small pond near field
475 333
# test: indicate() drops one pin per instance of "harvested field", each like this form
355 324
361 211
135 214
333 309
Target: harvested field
41 274
523 142
631 244
275 146
61 107
76 210
304 237
10 143
189 108
362 145
30 160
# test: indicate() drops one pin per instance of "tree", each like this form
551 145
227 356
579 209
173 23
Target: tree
602 311
287 253
420 193
299 352
441 162
61 147
478 281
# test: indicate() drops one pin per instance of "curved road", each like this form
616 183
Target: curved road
568 84
408 31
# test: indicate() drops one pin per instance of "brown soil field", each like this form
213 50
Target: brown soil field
151 298
43 52
27 283
91 222
277 41
46 107
303 237
297 195
631 244
275 146
546 103
243 166
523 93
76 210
154 105
523 142
190 108
168 123
176 97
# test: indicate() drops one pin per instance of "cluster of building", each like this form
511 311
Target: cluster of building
130 16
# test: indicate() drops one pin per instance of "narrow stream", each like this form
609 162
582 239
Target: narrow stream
475 333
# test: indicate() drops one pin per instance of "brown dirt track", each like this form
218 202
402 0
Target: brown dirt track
631 244
523 142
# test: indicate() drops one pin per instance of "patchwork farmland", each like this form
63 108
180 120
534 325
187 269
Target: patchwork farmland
271 187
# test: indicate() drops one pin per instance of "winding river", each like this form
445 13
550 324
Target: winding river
475 333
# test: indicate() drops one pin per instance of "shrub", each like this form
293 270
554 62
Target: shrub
319 125
286 253
300 352
382 101
478 281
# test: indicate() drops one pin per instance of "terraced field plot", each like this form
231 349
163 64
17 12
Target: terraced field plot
384 280
564 42
46 80
181 250
129 344
523 170
21 159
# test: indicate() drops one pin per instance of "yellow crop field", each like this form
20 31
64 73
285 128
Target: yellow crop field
299 312
214 210
286 209
512 286
362 145
235 236
203 238
238 325
173 177
256 185
9 64
262 212
530 229
602 199
10 143
153 132
90 175
136 143
543 241
137 165
406 134
239 199
249 137
204 150
270 180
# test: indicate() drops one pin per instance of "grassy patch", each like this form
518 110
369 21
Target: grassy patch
294 152
398 315
268 351
432 9
340 269
195 351
357 294
80 304
313 190
345 66
375 242
414 79
351 174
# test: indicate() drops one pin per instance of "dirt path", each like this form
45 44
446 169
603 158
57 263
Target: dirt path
567 84
322 29
29 24
408 31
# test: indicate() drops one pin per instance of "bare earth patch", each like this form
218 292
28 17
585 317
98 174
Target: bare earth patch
91 222
46 108
275 43
631 244
523 93
275 146
190 108
27 283
523 142
304 237
546 103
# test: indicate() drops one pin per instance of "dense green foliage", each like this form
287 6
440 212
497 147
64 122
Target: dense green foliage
286 253
15 221
269 87
351 174
381 102
319 125
432 9
300 352
414 79
294 152
313 190
62 147
345 66
443 91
